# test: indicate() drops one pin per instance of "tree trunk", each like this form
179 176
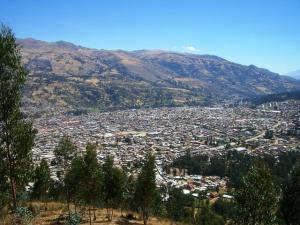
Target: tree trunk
11 178
145 220
69 212
95 218
45 205
107 213
13 192
145 217
90 215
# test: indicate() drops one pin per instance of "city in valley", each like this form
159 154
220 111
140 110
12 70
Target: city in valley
150 112
170 132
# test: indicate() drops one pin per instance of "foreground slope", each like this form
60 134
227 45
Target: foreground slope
67 78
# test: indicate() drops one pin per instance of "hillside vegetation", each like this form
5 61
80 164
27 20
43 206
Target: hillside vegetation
68 78
57 211
280 97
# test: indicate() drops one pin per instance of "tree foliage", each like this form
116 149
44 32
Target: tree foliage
113 185
177 204
290 204
16 133
206 216
236 164
257 199
224 208
64 153
90 185
42 181
146 187
73 180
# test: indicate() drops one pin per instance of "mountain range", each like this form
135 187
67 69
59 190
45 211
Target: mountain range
295 74
64 77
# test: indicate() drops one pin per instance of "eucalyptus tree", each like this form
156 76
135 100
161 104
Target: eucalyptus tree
113 187
146 189
16 133
91 179
257 199
290 203
42 180
64 152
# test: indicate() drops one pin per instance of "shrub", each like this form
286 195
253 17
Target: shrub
75 219
22 215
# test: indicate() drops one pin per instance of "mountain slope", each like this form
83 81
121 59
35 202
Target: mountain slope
65 77
294 74
278 97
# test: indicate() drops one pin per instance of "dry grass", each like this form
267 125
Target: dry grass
55 210
94 81
48 218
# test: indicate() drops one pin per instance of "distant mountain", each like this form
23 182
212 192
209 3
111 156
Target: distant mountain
294 74
68 78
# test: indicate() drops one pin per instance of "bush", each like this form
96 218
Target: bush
75 219
130 216
22 215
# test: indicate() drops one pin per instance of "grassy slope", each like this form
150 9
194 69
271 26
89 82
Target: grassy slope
55 209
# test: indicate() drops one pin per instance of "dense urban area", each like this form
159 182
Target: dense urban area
170 132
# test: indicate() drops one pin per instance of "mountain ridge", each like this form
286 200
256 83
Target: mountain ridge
294 74
72 77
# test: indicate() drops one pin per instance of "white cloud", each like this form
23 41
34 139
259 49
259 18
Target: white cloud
190 48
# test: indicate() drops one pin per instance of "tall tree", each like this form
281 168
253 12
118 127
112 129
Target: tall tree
290 203
91 181
42 181
16 133
206 216
257 197
64 152
113 186
73 181
177 203
128 194
4 187
146 187
224 208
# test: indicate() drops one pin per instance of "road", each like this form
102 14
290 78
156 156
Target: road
263 132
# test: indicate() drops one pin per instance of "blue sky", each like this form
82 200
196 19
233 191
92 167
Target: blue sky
265 33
